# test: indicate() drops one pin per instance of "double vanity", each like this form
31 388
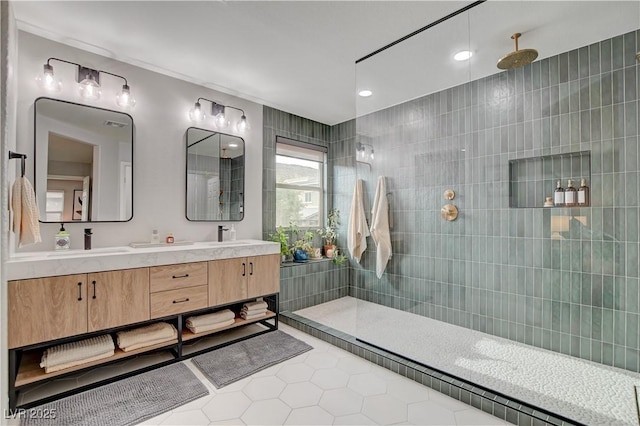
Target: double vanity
66 296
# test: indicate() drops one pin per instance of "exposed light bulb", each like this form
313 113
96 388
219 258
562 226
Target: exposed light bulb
124 98
196 114
242 124
371 155
48 81
220 120
90 89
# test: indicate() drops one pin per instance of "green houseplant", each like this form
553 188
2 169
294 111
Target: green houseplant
329 233
281 236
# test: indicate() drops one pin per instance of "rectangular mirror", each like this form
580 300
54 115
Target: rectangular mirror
215 176
83 162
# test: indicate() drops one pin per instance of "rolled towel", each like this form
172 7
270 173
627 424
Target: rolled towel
80 351
209 327
160 331
79 362
258 304
253 316
210 319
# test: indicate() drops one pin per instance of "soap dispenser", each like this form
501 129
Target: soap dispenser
62 239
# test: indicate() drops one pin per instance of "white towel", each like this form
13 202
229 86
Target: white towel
209 327
254 310
79 352
210 319
252 316
357 232
25 212
251 306
380 226
98 357
146 336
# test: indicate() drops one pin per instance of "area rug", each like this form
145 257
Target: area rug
239 360
125 402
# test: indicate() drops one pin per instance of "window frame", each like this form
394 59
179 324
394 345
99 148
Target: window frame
321 189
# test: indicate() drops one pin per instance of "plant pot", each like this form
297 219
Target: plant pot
329 249
300 255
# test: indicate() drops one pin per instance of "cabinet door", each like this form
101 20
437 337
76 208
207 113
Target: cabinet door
118 298
46 309
264 275
227 281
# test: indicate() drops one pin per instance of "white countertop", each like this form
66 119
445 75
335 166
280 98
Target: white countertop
67 262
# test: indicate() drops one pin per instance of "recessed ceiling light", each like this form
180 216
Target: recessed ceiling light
233 145
463 55
365 93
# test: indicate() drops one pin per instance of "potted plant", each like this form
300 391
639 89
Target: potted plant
302 247
280 236
329 233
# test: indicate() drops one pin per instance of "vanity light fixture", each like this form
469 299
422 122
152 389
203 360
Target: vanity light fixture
218 112
361 152
88 80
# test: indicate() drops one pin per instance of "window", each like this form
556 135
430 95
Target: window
54 206
300 170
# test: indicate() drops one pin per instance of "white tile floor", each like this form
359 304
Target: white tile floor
324 386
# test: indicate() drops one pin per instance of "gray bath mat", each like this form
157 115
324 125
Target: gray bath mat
125 402
239 360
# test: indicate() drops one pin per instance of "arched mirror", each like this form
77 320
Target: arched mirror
83 162
215 176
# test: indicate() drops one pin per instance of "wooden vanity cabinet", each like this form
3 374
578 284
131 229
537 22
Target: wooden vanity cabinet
242 278
118 298
45 309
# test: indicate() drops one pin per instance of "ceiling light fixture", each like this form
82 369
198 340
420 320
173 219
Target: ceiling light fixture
88 80
365 93
463 55
218 112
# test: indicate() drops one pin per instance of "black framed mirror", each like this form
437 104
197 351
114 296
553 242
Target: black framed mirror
83 162
214 176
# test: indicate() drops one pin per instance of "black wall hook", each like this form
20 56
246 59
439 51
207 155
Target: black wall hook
22 157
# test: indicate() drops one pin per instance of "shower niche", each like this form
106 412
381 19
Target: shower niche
532 179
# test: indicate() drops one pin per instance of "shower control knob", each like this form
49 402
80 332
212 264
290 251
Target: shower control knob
449 212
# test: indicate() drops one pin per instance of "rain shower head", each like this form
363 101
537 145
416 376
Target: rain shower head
517 58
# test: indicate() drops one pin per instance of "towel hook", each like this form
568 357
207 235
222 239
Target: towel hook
22 157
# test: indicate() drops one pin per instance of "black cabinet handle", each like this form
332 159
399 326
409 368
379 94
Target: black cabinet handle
250 268
180 276
244 269
94 289
79 291
186 299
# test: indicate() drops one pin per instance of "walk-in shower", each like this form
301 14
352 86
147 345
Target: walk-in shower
514 297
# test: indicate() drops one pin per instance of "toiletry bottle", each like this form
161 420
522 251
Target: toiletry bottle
62 239
87 238
232 233
558 196
570 195
170 238
155 237
583 193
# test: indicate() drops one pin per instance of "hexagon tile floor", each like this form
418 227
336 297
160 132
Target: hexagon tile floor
325 386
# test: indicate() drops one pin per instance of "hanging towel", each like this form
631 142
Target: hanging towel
25 212
380 226
357 232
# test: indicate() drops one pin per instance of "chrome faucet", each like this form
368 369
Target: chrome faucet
221 229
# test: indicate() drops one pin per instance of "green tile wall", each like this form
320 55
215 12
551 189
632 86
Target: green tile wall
497 269
301 285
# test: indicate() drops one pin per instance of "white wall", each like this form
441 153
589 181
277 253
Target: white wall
8 91
160 124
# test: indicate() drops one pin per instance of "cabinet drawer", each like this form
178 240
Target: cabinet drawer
171 302
171 277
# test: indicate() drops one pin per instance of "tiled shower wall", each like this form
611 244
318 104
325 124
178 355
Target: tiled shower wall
301 285
497 269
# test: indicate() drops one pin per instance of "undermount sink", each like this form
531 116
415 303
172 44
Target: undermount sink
74 253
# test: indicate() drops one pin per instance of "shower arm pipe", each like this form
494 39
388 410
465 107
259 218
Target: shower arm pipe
220 103
126 83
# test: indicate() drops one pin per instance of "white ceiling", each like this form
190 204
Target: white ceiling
299 56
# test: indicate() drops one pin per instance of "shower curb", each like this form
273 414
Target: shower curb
498 405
